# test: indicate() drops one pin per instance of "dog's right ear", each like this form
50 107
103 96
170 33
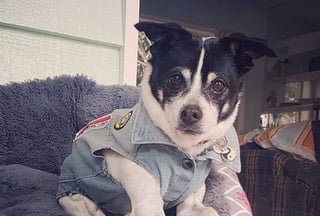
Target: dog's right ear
160 31
162 34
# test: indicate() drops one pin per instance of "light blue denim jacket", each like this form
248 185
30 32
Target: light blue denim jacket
130 132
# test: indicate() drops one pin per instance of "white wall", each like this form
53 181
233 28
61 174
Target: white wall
253 100
46 38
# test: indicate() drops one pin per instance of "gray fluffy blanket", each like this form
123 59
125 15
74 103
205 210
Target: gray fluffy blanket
38 121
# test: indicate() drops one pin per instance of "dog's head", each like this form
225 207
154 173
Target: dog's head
191 86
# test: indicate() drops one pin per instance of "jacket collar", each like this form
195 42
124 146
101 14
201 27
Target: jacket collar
145 132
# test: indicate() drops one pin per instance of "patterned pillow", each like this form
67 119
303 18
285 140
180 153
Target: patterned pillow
234 194
296 138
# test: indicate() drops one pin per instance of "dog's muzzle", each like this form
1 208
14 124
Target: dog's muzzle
190 116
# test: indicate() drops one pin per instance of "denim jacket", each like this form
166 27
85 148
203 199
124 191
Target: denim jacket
130 132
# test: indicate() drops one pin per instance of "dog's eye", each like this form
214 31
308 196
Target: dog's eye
218 86
175 81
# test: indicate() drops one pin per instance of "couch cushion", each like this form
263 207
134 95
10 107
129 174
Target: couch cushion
39 119
26 191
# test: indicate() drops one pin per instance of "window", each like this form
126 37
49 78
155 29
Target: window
143 55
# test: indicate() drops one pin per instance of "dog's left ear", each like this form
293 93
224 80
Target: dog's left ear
245 50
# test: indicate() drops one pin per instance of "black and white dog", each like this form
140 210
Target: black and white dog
190 91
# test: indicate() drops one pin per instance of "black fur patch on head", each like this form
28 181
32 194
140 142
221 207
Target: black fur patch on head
221 62
168 62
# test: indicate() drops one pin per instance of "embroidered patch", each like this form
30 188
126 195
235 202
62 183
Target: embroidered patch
95 124
123 121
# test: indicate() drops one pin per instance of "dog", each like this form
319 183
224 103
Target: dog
157 155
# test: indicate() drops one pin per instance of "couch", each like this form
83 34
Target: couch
278 182
38 121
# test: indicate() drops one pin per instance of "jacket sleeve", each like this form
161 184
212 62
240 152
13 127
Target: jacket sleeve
67 181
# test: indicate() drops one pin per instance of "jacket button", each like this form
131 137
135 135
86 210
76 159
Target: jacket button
187 163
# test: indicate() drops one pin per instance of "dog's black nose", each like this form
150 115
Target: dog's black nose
191 114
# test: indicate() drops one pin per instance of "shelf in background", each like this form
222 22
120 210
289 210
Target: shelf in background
289 108
299 77
300 51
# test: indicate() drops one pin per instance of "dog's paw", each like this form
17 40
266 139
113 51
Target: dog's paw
79 205
198 211
146 212
207 211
